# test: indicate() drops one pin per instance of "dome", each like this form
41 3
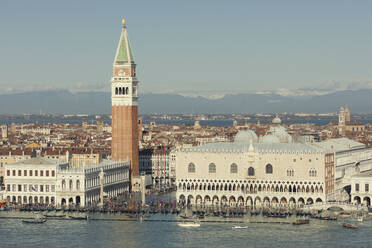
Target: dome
270 139
280 132
245 136
276 120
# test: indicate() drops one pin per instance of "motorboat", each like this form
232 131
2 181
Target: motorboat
35 221
240 227
301 222
189 224
350 226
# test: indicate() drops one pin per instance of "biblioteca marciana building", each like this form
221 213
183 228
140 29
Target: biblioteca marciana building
42 181
255 172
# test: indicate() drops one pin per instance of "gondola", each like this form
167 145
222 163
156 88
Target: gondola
78 217
346 225
35 221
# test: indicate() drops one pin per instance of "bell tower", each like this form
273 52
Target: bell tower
124 101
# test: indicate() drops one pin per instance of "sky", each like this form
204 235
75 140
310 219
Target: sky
181 46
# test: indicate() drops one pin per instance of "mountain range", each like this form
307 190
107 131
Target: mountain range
66 102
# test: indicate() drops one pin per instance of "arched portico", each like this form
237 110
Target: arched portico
367 201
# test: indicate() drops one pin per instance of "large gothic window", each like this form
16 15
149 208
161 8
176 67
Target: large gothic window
250 171
191 168
233 168
212 168
269 169
312 172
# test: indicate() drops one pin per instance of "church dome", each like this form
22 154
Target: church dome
276 120
270 139
245 136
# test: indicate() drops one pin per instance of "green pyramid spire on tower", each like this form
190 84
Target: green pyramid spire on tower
124 51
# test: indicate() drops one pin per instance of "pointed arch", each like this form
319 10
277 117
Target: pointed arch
269 169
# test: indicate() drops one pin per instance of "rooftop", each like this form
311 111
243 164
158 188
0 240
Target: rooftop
37 161
258 147
339 144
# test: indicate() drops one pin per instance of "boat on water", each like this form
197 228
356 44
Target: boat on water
240 227
350 226
83 217
35 221
327 218
186 217
344 215
301 222
189 224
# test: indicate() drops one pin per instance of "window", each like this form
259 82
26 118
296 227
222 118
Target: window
312 172
13 187
19 173
30 173
63 184
36 173
269 169
78 184
70 184
53 188
41 188
35 188
8 187
30 188
19 188
251 171
41 173
8 173
46 188
25 188
366 187
233 168
47 173
357 187
53 173
191 168
14 173
25 173
290 172
212 168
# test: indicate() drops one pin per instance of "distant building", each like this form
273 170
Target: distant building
4 132
160 164
99 126
345 126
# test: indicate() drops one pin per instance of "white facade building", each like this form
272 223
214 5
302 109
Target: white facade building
31 181
43 181
81 186
255 172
